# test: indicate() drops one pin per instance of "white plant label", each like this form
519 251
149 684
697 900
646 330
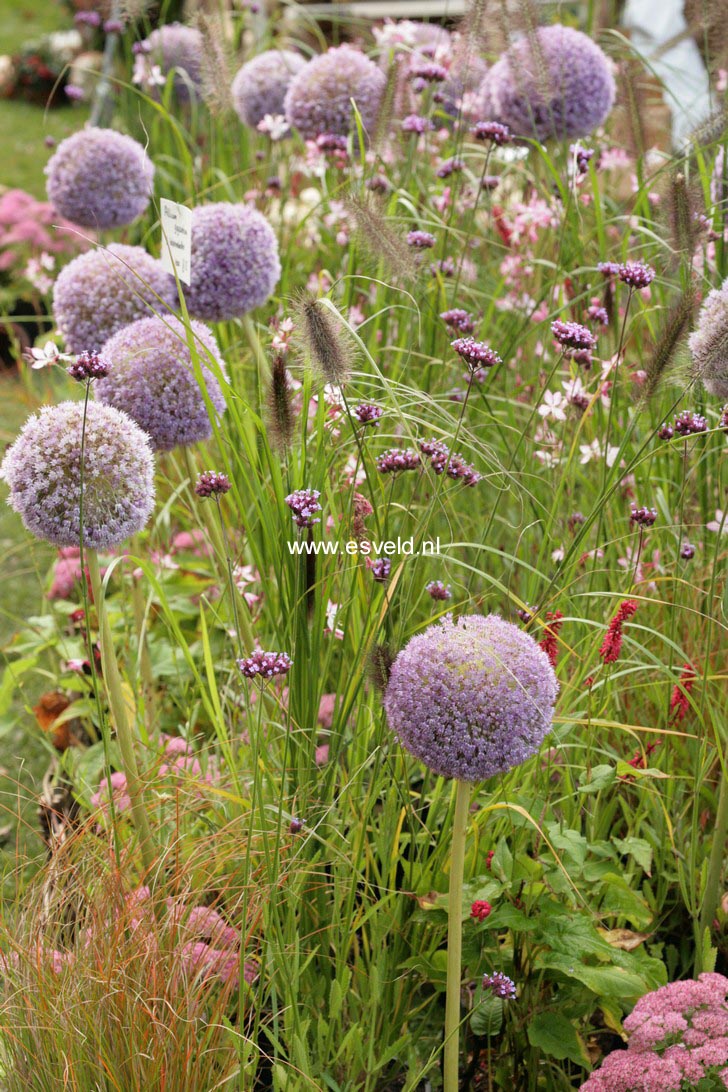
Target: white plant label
177 239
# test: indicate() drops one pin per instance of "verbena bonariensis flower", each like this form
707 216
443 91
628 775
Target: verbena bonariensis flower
415 123
500 985
572 335
559 86
450 166
476 354
171 47
608 269
98 293
265 664
235 263
421 240
380 569
212 484
260 86
471 698
304 504
43 471
690 424
367 413
642 516
636 274
458 319
612 643
152 378
687 551
709 342
397 459
438 591
88 366
427 72
493 131
582 157
99 178
318 99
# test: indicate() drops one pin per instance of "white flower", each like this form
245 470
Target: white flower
720 523
275 125
332 609
594 451
46 357
548 459
558 554
553 405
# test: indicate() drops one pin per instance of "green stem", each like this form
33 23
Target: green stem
715 868
455 937
119 713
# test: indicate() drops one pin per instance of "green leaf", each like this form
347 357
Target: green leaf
708 952
557 1037
487 1015
601 777
11 676
637 848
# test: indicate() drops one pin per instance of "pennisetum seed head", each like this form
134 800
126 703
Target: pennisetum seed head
324 339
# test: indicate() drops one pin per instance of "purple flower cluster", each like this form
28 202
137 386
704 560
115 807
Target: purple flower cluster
212 484
380 569
366 413
260 86
444 463
415 123
450 166
678 1037
500 985
43 471
582 156
636 274
609 269
643 517
235 263
458 319
100 179
427 72
421 240
304 503
572 335
171 47
559 87
318 99
265 664
476 354
690 424
709 342
152 378
438 591
471 698
397 459
493 131
106 289
88 366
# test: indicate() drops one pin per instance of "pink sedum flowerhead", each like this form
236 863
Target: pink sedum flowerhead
471 698
152 378
559 88
100 179
235 263
98 293
318 99
43 470
260 86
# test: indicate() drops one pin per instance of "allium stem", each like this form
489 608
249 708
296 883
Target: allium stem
119 713
455 937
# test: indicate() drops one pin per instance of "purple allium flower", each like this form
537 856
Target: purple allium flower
366 413
450 166
643 517
429 72
235 263
212 484
152 378
561 87
636 274
438 591
319 97
87 366
471 698
99 178
500 985
172 46
572 335
421 240
265 664
380 569
476 354
260 86
690 424
415 123
458 319
397 459
687 551
304 503
105 289
493 131
609 269
43 470
709 342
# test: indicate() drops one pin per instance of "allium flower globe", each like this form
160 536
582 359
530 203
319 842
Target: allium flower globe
260 86
151 377
105 289
43 470
99 178
235 263
171 47
471 698
709 343
318 99
561 87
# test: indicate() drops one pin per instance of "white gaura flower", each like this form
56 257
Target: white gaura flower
720 523
594 451
553 405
